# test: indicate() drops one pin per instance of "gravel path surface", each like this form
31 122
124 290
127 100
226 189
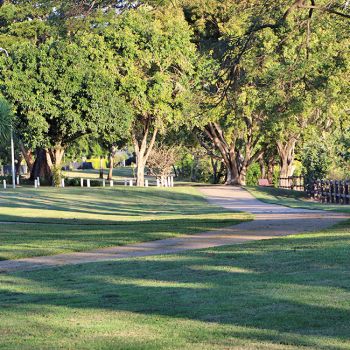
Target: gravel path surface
270 221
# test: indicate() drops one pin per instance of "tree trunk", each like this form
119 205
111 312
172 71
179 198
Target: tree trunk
140 172
18 163
270 170
262 168
214 165
112 154
111 166
45 162
243 175
232 175
143 148
215 133
28 156
40 168
286 152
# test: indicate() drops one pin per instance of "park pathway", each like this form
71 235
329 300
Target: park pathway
270 221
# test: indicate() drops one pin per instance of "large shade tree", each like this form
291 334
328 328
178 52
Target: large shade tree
154 57
61 90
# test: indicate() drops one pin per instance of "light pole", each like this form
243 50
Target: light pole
12 143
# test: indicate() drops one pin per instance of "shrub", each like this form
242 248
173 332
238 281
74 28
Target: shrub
253 175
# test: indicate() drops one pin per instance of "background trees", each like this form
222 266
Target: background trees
154 59
252 81
61 91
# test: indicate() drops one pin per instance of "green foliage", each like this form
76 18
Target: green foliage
316 160
154 57
56 176
253 175
6 120
62 90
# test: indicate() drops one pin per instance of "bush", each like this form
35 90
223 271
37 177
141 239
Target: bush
315 159
253 175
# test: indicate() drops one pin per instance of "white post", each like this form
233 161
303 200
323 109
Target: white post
38 181
131 183
81 182
111 183
146 183
88 183
172 181
17 180
158 183
104 183
125 182
62 183
5 186
35 183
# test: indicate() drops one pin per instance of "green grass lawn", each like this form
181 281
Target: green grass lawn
293 199
50 221
286 293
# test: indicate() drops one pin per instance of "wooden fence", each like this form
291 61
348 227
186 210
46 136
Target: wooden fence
330 191
295 183
325 191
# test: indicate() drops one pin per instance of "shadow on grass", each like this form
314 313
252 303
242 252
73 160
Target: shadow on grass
116 202
284 290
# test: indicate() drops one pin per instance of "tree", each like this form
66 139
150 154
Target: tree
154 61
61 90
161 160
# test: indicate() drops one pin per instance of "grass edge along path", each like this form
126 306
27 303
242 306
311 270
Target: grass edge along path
292 199
286 293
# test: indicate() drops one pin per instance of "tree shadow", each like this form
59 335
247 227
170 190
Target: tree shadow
285 296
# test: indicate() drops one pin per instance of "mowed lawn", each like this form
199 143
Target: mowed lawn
286 293
293 199
50 221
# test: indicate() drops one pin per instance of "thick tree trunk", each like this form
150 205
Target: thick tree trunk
45 162
140 172
236 166
286 152
41 168
232 175
227 151
243 175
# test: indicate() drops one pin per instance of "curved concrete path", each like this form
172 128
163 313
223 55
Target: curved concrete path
270 221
